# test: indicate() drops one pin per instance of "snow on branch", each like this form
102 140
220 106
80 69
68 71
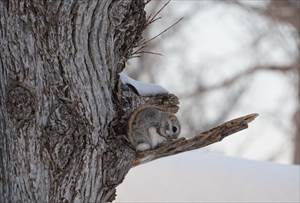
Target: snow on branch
143 89
202 140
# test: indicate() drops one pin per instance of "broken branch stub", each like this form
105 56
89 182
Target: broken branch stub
202 140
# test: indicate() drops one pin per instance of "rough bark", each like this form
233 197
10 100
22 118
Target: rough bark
59 103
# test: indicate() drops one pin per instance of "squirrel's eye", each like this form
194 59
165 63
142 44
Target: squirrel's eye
174 129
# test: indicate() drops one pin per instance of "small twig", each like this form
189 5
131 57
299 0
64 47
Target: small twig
148 52
135 56
139 49
162 32
202 140
154 20
150 18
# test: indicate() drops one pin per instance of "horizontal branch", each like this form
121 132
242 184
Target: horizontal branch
202 140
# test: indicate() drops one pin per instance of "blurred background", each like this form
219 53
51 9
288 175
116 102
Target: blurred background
225 59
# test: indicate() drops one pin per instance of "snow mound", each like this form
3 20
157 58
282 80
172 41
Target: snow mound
208 177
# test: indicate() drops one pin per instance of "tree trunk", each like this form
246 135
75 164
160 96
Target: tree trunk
59 98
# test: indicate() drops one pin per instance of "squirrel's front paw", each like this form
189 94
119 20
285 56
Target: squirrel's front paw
143 147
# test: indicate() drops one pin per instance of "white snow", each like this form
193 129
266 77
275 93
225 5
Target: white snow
144 89
209 177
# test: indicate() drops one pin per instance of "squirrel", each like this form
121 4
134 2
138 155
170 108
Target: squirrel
149 126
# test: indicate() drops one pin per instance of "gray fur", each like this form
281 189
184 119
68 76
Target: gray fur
166 124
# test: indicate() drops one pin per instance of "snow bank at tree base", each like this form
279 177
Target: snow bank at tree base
207 177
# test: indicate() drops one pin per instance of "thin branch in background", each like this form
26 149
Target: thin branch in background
202 140
232 80
274 10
